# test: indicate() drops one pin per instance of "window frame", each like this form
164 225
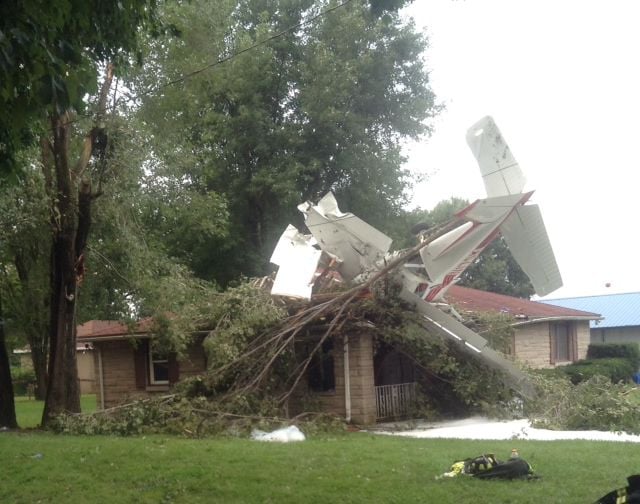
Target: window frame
153 359
571 342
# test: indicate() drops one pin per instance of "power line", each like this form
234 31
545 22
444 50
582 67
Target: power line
231 56
246 49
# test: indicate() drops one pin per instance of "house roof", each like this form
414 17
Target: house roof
101 330
618 310
473 300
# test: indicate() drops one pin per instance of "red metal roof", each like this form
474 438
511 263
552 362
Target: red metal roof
473 300
108 329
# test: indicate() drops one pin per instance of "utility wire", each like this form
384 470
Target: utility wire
246 49
230 57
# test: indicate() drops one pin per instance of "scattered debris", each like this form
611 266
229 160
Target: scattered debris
285 435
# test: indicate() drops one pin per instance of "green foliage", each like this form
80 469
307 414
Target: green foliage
187 416
453 383
629 351
22 378
239 315
321 108
615 369
49 53
496 328
593 404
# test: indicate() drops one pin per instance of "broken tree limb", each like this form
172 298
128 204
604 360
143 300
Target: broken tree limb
255 363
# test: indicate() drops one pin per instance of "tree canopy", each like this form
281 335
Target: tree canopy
49 54
322 107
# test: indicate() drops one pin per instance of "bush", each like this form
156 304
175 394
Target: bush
629 351
22 378
594 404
616 369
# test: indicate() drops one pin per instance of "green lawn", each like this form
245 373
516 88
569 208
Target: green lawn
349 468
29 411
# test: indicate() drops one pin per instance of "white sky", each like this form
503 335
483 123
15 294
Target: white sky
562 81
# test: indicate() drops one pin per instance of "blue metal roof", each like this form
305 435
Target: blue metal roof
618 310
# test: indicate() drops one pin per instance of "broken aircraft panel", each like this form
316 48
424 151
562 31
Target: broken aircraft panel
358 245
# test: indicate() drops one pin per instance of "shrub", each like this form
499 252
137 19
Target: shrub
616 369
21 378
595 404
629 351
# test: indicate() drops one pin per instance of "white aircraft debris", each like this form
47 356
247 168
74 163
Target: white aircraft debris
356 250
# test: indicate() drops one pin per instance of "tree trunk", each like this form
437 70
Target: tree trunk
7 404
63 391
71 222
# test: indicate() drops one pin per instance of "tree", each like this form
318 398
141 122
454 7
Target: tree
49 56
25 244
324 106
7 404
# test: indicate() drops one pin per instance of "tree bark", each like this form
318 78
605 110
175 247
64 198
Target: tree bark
7 403
63 391
71 222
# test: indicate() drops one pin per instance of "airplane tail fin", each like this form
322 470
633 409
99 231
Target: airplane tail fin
529 244
501 173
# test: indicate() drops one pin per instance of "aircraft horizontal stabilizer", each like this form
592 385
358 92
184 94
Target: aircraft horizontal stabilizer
500 171
529 244
436 320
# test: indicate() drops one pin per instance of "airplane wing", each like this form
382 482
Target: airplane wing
529 244
357 244
436 320
500 171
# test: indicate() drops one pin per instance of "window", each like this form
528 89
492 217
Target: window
154 370
158 368
563 343
321 372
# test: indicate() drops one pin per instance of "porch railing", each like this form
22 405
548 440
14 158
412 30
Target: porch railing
394 400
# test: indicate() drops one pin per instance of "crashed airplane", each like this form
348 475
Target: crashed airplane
343 243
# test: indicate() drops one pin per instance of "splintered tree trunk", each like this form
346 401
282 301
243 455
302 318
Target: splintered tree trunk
71 222
63 392
7 404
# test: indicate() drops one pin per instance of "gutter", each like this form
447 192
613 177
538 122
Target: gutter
347 380
555 319
101 378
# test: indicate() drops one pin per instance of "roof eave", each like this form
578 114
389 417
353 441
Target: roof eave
556 318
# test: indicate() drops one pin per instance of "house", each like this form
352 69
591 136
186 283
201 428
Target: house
126 366
545 336
84 358
353 375
620 312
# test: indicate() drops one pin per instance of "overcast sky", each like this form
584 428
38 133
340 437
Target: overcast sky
562 81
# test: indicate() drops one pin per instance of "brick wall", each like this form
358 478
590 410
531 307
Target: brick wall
363 404
533 344
583 333
119 376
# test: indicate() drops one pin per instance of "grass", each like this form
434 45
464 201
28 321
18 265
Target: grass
29 411
345 468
